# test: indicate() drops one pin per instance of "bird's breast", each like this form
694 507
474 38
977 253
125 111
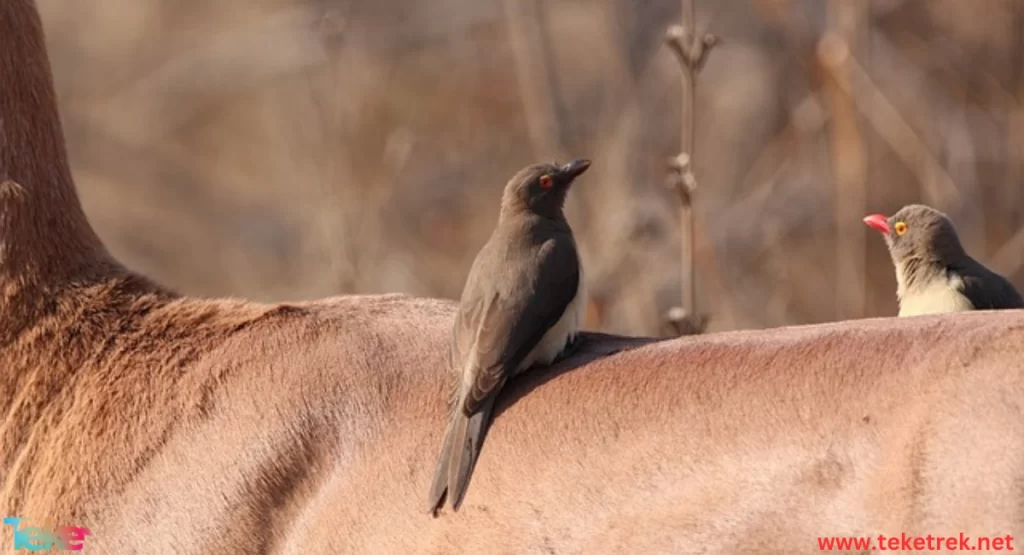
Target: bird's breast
937 297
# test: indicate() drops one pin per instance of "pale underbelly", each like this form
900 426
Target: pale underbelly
939 298
567 327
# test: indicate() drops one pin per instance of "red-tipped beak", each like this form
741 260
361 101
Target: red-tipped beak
878 222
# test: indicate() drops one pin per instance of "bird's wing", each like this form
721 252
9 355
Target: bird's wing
510 325
472 310
989 290
992 291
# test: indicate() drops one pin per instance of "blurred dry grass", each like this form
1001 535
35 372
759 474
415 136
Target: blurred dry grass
292 149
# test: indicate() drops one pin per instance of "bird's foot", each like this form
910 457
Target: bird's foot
571 347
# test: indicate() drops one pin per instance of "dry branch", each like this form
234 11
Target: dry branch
1007 260
691 49
849 158
279 45
885 118
539 110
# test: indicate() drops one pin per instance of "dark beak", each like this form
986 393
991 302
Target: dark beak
878 222
573 169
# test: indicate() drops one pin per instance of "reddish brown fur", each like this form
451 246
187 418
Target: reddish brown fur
176 425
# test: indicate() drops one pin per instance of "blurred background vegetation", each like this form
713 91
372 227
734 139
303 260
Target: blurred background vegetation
295 149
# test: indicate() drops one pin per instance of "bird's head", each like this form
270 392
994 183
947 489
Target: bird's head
918 232
541 188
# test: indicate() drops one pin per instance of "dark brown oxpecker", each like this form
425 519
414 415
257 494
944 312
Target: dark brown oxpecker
933 272
523 304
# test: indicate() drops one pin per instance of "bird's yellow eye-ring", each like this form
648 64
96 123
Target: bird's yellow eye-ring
900 228
545 181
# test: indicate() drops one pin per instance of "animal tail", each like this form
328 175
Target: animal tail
458 455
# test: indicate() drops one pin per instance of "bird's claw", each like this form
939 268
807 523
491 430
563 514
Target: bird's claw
571 346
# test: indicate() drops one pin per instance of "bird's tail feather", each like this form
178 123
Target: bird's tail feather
440 486
462 441
467 436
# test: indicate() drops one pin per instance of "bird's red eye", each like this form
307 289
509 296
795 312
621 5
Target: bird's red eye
545 181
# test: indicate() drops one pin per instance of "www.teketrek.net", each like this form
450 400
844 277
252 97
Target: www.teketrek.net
903 542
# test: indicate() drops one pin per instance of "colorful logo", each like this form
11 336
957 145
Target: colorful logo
46 537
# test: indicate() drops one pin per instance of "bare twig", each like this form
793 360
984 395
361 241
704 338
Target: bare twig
849 158
522 18
691 49
885 118
278 45
1007 259
1015 125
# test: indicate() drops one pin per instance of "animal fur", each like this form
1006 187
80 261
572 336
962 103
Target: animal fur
176 425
